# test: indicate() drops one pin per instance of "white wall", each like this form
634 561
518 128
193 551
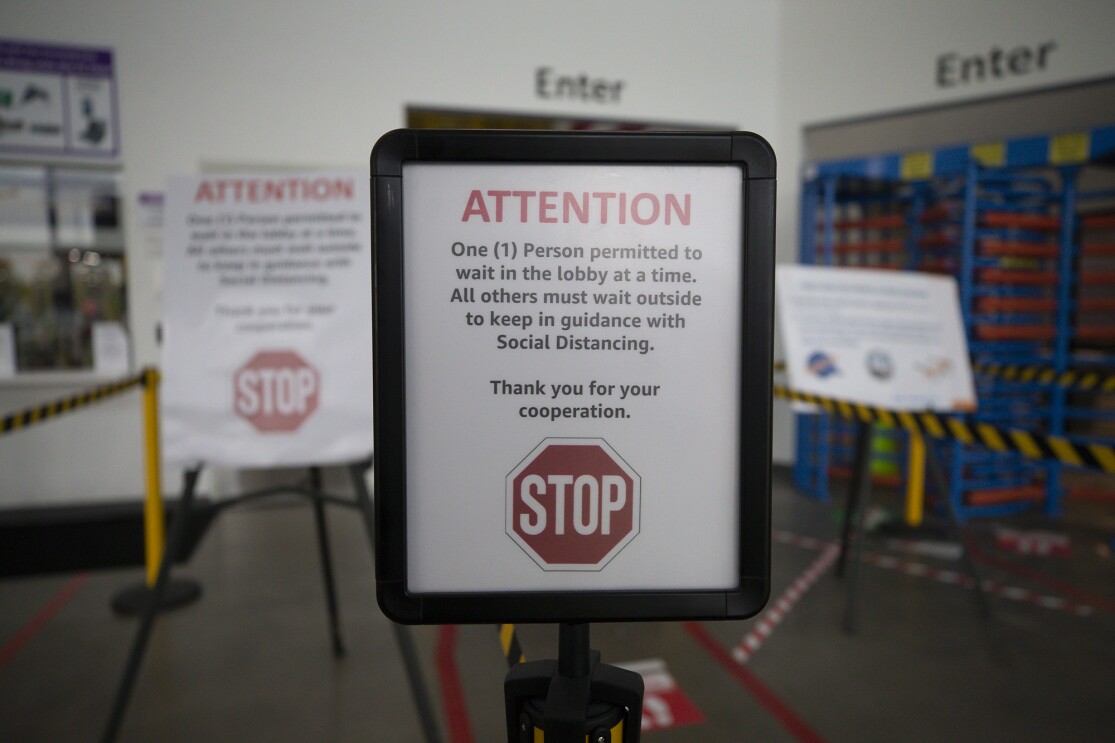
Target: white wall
315 84
307 84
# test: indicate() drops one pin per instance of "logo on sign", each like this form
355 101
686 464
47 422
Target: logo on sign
573 504
880 364
276 391
821 364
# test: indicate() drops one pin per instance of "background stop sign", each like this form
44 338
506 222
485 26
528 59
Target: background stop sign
276 391
573 504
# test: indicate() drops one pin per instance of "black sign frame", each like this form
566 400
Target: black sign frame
756 161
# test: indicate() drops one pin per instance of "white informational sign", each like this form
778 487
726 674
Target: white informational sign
148 236
268 340
7 351
884 338
559 313
111 349
24 209
57 100
77 195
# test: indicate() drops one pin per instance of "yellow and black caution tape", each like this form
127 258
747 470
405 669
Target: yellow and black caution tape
1077 379
1027 443
30 416
509 640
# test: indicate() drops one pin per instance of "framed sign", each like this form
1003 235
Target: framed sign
572 340
267 319
893 339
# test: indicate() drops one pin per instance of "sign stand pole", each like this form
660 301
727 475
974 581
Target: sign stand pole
573 698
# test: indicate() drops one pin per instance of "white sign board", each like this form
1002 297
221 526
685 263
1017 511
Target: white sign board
267 327
7 350
885 338
588 311
24 209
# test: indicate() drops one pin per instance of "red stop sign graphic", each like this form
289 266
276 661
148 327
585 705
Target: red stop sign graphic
573 504
276 391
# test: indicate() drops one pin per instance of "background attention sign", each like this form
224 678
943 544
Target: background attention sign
267 356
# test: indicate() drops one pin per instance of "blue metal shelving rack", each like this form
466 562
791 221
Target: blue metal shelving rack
1002 218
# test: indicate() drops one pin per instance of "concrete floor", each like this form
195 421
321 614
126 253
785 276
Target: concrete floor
251 661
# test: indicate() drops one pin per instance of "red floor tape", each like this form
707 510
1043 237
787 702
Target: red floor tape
762 693
449 681
40 620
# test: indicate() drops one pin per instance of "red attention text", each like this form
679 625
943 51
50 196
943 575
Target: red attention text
585 207
265 190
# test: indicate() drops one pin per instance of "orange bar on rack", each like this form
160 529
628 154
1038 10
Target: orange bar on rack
939 213
1008 276
1098 221
1094 333
1094 278
991 496
881 222
872 246
1016 304
1037 222
1018 247
937 240
1015 332
1097 304
940 265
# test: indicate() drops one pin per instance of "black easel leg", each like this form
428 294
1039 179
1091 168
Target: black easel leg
403 638
173 548
326 563
859 501
938 474
424 707
861 478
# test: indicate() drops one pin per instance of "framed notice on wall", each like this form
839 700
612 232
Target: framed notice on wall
573 360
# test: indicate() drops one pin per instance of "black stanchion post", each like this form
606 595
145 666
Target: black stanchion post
132 601
573 699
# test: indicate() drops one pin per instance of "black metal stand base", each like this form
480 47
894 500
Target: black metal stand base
573 699
179 592
147 603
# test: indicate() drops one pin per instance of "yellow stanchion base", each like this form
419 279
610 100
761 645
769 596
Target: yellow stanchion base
133 601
